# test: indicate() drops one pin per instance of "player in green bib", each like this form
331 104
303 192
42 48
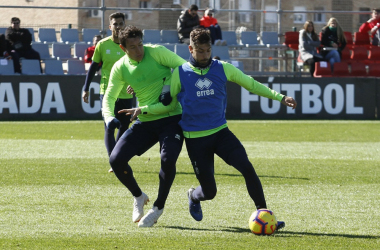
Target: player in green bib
146 68
107 52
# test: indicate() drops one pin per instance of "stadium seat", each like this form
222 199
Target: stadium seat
346 55
169 36
152 36
75 67
349 40
221 51
2 30
47 35
374 70
249 39
182 50
322 69
361 39
341 69
359 53
31 30
30 67
292 39
53 67
6 67
374 54
230 38
170 47
79 49
69 36
61 51
88 35
109 32
42 49
358 69
270 39
238 64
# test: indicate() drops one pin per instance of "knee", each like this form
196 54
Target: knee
116 160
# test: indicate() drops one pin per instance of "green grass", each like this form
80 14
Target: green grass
321 177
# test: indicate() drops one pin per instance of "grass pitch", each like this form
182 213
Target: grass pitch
320 177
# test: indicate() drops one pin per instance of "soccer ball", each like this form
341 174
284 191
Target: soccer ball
263 222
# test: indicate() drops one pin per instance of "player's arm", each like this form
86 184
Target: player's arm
115 86
233 74
96 59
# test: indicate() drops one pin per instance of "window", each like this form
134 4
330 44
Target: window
299 17
176 1
319 17
217 4
245 17
145 4
196 2
364 17
271 17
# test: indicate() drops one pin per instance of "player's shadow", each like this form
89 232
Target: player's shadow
239 175
282 233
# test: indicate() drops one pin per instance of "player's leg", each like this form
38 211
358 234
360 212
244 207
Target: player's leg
171 141
125 120
109 134
230 149
135 141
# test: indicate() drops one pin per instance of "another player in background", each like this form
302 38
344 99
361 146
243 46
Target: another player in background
89 52
107 52
200 86
146 68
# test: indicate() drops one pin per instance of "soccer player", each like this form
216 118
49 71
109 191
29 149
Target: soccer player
107 52
200 86
145 68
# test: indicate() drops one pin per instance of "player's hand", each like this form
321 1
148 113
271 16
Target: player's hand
289 101
130 90
85 95
112 123
132 112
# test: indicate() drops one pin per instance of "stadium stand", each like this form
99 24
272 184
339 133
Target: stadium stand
349 40
69 36
346 55
169 36
31 30
270 39
53 67
341 69
88 35
358 69
2 30
75 67
42 49
374 54
47 35
374 70
152 36
6 67
30 67
61 51
169 46
322 69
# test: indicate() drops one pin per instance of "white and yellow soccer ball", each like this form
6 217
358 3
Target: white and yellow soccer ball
263 222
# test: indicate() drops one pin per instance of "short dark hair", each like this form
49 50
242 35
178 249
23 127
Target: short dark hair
15 19
129 32
98 36
200 36
194 7
117 15
376 10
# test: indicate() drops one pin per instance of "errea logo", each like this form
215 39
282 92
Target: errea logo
204 84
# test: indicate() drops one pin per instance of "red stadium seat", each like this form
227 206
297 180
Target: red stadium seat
374 70
341 69
374 54
291 39
361 39
322 69
349 41
358 69
346 55
359 53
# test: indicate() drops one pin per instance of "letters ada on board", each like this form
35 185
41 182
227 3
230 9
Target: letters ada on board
59 98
